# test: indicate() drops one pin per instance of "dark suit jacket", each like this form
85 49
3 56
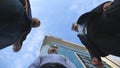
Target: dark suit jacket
103 35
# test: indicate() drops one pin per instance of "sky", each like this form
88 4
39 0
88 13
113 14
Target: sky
56 18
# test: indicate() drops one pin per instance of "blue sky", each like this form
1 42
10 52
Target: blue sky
56 18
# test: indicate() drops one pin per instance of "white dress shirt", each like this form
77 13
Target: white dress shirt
52 58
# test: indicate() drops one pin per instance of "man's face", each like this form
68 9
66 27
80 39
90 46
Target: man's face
75 27
36 22
52 50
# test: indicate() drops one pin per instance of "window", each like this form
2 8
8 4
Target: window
87 61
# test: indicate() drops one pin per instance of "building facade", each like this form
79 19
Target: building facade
76 53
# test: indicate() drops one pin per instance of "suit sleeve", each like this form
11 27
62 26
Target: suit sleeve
36 63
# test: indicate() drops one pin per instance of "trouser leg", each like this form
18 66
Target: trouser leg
11 21
92 48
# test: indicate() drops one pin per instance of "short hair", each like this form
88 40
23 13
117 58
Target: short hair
74 28
52 49
36 22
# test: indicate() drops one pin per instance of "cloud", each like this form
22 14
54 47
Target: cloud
82 6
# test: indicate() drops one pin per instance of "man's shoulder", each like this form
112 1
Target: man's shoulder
60 55
87 17
54 55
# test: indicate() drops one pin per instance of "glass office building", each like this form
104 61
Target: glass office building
76 53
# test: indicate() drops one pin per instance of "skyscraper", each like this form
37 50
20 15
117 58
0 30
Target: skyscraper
76 53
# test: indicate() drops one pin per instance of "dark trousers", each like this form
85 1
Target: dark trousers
94 51
52 65
11 21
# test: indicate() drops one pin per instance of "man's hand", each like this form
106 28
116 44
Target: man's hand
106 6
97 63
